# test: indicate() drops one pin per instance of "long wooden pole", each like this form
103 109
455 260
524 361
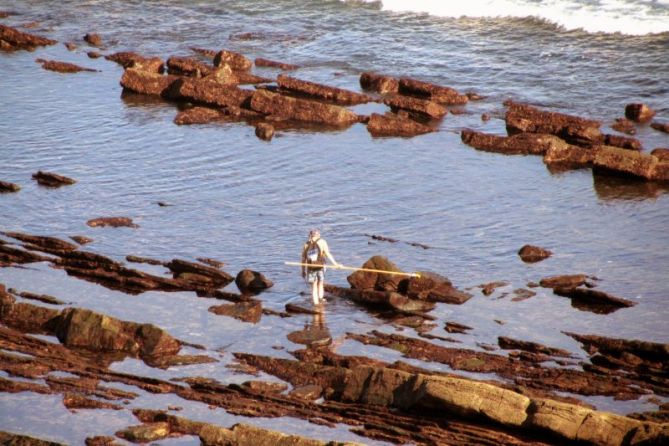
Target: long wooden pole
369 270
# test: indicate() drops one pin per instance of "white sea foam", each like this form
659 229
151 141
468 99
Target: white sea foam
634 17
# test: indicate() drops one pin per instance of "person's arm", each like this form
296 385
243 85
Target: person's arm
326 251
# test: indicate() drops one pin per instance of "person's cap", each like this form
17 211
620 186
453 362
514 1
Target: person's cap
314 231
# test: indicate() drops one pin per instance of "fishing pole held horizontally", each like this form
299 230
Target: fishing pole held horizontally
352 268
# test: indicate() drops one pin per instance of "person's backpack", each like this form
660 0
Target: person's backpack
314 254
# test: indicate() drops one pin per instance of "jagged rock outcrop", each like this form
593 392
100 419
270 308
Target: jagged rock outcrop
11 39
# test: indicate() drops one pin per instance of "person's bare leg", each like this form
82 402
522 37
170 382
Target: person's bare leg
314 291
321 291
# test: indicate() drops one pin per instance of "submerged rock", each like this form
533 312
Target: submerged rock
195 272
261 62
592 300
533 254
662 127
62 67
265 131
200 115
11 39
9 187
249 311
50 179
392 124
93 39
624 125
639 112
114 222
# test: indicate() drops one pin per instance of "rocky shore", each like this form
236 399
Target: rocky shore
523 392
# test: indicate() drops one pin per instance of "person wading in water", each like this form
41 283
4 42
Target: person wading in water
314 253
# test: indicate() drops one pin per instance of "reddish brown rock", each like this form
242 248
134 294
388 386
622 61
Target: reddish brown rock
145 433
630 163
367 280
564 281
236 61
199 115
195 272
379 83
622 142
249 311
71 46
507 343
188 66
12 39
102 440
433 92
301 110
639 112
434 288
260 62
488 288
50 179
44 298
519 144
454 327
265 131
62 67
661 154
244 77
94 55
74 401
532 254
624 125
322 92
252 281
9 187
114 222
209 92
421 107
204 52
391 124
146 82
133 60
569 156
592 300
51 243
93 39
11 439
662 127
81 239
522 118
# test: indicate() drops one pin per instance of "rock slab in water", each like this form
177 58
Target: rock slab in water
114 222
533 254
11 39
9 187
50 179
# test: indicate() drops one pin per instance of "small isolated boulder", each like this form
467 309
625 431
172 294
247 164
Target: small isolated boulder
564 281
49 179
93 39
252 281
237 62
246 311
532 254
639 112
433 92
9 187
114 222
391 124
265 131
379 83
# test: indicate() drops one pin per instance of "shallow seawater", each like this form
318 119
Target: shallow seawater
250 203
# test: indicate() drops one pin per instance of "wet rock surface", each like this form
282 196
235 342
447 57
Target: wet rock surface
50 179
533 254
6 186
319 91
391 124
114 222
62 67
11 39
